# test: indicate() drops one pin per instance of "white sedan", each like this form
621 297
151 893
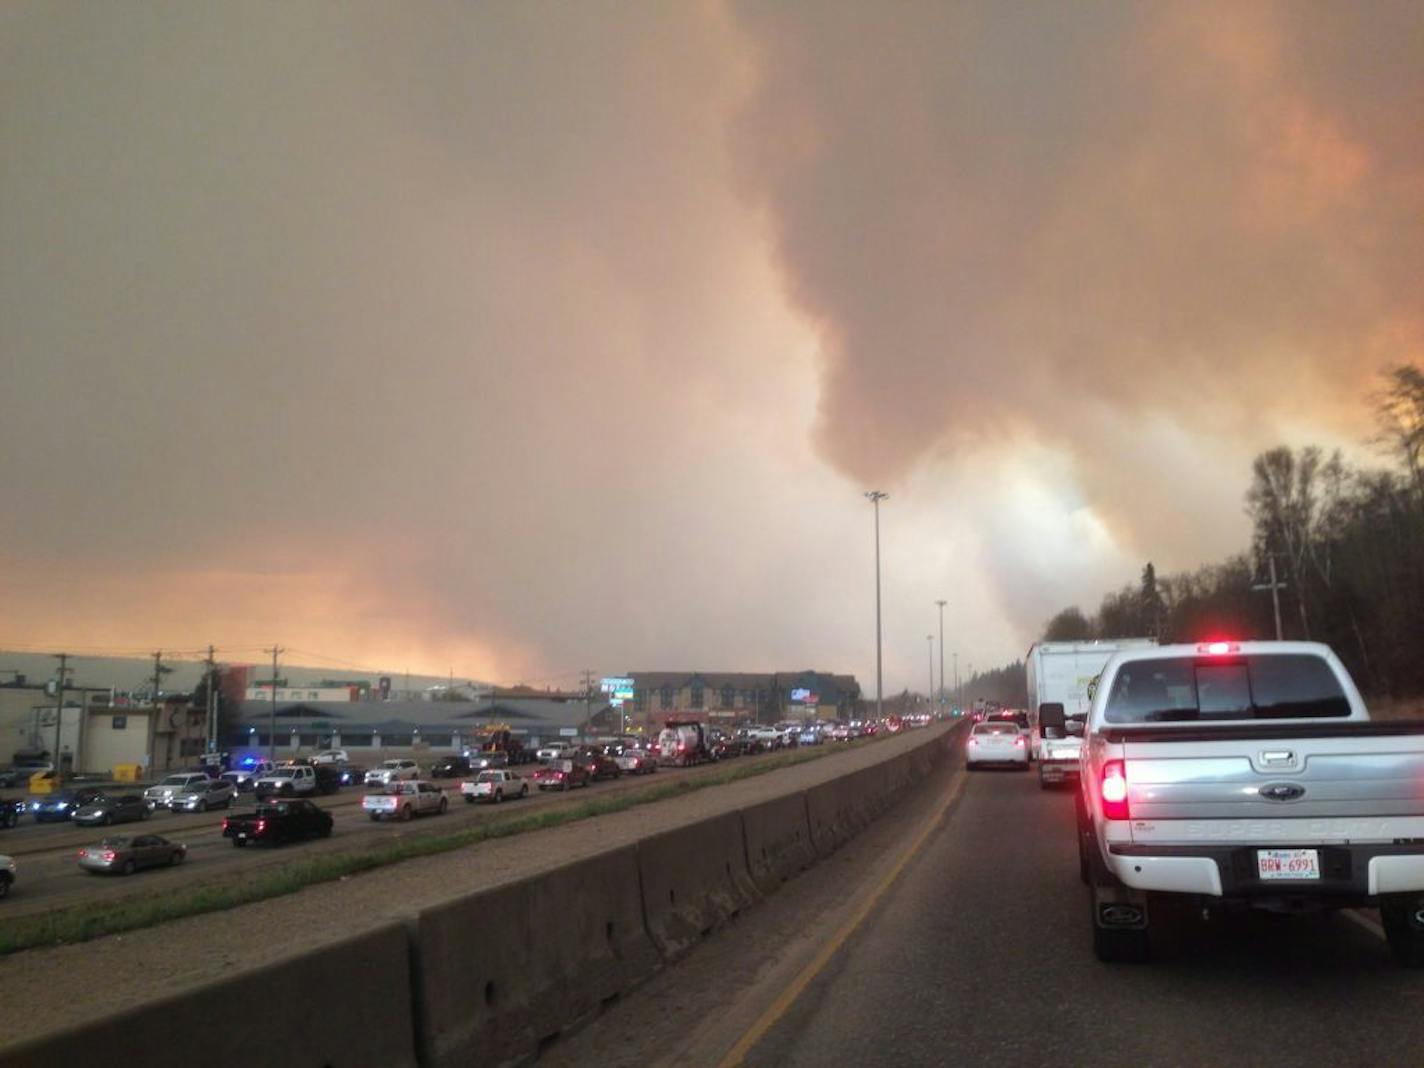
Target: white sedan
996 742
494 785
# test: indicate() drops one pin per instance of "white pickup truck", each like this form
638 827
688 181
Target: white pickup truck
1245 774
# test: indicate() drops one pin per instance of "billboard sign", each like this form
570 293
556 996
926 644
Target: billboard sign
618 687
805 697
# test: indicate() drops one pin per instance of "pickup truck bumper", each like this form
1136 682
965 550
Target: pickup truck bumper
1351 873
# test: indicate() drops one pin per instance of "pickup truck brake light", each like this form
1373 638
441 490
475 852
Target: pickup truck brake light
261 826
1114 791
1218 648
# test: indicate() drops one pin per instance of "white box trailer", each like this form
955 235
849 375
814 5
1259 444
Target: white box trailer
1063 673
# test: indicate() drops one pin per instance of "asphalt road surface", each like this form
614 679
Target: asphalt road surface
955 931
49 876
981 952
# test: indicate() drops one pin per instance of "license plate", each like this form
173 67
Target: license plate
242 834
1288 863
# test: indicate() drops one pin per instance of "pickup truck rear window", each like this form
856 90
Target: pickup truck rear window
1183 689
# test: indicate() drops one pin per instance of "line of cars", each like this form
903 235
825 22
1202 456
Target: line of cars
285 812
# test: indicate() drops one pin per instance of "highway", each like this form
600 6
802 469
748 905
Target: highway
972 946
49 876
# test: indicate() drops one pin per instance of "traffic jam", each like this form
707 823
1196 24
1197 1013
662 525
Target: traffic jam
275 803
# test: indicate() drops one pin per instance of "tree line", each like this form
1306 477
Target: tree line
1345 545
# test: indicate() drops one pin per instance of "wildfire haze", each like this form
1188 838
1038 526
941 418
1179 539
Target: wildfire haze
534 337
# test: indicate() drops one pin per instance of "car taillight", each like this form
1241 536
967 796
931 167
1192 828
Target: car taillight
110 854
1019 741
224 823
973 741
1114 790
261 826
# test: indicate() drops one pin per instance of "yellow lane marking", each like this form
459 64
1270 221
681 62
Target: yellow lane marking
789 996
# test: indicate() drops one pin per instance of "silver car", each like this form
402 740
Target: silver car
126 855
201 796
392 771
162 794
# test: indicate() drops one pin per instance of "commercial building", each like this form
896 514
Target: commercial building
374 729
736 696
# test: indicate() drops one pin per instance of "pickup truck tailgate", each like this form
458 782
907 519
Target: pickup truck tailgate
1280 784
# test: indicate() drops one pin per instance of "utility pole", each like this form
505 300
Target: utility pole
272 715
941 654
587 701
159 670
875 497
211 746
63 659
929 694
1275 586
958 693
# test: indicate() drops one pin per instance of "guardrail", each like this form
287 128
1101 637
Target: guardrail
494 976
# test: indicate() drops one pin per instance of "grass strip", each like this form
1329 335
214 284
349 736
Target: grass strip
80 923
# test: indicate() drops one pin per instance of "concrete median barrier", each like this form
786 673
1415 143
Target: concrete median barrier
694 879
344 1005
778 840
838 810
503 970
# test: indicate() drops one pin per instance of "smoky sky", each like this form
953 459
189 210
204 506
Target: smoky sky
522 339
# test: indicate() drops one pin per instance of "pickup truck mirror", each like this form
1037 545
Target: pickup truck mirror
1051 719
1075 727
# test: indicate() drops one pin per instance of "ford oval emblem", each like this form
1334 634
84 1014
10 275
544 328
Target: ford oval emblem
1282 791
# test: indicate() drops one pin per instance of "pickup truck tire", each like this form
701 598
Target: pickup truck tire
469 800
405 814
1124 946
498 796
444 806
1404 930
524 790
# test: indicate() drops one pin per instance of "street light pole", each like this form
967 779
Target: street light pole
875 497
941 654
958 694
929 695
